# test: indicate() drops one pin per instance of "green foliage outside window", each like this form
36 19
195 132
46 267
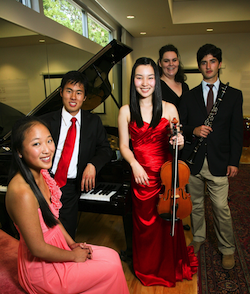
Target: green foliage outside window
97 33
64 13
70 16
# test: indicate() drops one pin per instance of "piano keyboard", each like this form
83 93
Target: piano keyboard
3 188
102 192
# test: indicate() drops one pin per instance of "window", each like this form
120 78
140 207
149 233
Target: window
25 2
65 13
33 4
69 14
97 32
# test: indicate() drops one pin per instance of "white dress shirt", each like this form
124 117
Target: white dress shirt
205 90
65 125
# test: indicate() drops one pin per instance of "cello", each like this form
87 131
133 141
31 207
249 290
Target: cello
175 203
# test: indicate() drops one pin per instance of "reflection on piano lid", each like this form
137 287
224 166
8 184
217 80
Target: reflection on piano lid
102 192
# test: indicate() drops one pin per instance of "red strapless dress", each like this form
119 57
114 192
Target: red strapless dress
158 258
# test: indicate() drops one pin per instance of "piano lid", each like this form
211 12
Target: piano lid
8 117
96 70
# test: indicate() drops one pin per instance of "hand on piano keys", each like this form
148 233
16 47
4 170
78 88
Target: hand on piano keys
102 192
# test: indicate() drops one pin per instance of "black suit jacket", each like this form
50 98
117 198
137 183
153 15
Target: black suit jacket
223 146
94 146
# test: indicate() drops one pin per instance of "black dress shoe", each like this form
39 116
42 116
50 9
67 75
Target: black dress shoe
124 256
186 227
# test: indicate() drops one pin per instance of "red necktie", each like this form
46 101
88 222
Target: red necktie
210 98
68 148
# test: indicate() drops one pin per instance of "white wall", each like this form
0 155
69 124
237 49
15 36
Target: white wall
235 57
29 63
127 64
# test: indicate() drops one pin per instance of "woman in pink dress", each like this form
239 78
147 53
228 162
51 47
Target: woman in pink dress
49 261
158 258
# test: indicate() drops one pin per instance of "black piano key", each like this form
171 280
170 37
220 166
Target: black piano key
97 189
112 188
107 188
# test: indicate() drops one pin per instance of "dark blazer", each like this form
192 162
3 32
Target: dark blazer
223 146
94 146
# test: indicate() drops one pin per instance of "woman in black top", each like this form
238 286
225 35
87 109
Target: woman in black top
172 75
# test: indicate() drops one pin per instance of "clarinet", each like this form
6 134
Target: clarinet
208 122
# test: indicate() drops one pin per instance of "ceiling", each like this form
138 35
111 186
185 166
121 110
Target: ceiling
12 35
155 18
180 17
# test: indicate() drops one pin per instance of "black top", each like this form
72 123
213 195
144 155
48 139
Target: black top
169 95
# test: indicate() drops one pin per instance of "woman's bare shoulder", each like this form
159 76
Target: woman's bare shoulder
169 110
18 190
124 112
125 109
168 106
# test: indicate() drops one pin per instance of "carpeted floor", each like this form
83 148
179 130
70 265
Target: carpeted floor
212 278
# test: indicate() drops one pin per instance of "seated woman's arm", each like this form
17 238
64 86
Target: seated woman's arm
22 207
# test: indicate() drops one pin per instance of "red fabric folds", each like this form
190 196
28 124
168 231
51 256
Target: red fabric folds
158 258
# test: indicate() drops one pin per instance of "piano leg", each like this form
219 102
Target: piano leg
127 255
6 223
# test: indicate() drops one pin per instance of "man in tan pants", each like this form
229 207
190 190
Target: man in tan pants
219 153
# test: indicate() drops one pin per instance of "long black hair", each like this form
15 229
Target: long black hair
135 97
19 165
180 76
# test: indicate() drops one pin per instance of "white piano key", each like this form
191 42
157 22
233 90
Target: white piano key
99 196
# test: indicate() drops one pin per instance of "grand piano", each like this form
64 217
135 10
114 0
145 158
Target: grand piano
116 174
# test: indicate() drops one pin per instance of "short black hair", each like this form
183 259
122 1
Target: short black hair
208 49
75 77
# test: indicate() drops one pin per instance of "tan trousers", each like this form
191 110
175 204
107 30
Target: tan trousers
217 188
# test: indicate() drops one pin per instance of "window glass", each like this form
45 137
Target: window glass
97 32
65 13
73 17
25 2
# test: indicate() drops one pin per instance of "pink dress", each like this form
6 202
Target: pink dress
158 258
102 274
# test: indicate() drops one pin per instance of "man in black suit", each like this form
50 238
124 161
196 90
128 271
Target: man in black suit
91 149
219 154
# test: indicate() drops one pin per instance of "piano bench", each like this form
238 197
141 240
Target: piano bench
8 265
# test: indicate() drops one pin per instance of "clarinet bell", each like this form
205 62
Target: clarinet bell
191 158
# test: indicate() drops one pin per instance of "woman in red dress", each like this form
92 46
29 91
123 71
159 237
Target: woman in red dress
158 258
